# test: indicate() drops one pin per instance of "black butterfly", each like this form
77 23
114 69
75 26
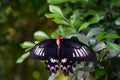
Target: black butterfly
61 53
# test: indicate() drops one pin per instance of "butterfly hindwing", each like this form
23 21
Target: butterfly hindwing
62 55
77 51
44 49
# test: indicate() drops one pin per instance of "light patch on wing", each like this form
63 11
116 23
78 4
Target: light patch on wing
73 54
54 60
77 53
85 50
80 52
39 51
64 60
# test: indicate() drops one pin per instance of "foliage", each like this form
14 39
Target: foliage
100 24
94 22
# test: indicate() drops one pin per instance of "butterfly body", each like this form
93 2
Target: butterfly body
61 53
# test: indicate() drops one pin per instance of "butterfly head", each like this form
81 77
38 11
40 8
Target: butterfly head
58 40
58 37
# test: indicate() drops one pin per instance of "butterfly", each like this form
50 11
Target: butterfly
61 53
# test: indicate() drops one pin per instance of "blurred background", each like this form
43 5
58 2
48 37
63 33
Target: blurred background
19 19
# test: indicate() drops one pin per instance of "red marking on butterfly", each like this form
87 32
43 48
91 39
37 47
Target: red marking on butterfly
62 53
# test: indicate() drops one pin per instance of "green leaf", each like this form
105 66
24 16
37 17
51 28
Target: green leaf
55 33
40 35
57 1
111 35
66 31
80 37
55 9
117 21
100 46
77 23
1 15
53 15
91 12
113 3
72 19
8 10
22 58
84 26
113 45
100 36
60 21
95 19
42 9
119 55
27 44
94 31
99 73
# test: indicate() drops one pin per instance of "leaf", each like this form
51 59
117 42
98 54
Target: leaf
111 35
95 19
55 33
113 45
22 58
113 53
119 55
40 35
91 12
81 37
1 15
94 31
117 21
27 44
42 9
100 46
99 73
100 36
84 26
92 41
53 15
60 21
113 3
57 1
55 9
73 19
66 31
80 74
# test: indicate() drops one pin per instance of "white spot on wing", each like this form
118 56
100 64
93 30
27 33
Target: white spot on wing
43 54
76 51
41 51
85 51
73 54
38 51
80 53
64 60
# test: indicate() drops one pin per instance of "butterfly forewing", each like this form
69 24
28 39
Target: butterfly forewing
44 49
75 50
62 55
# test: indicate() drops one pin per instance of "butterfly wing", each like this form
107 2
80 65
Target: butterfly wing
44 50
76 50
